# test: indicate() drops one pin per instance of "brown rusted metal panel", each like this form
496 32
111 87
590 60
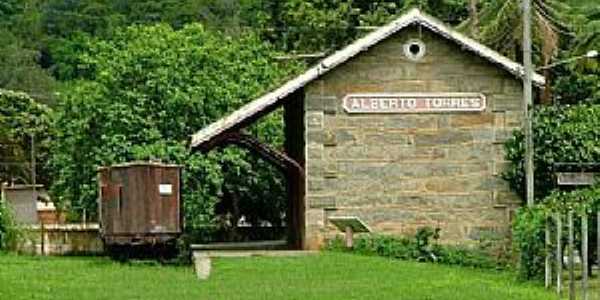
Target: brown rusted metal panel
140 203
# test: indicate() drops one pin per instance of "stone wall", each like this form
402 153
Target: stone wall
399 172
61 239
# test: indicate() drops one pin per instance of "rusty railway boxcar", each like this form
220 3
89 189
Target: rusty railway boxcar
140 203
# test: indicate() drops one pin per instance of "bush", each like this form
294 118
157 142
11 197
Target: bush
567 134
529 241
142 93
530 223
422 247
475 257
9 234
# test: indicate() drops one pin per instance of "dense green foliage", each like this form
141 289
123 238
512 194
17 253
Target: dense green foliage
147 89
49 31
19 69
52 29
578 81
422 247
561 134
530 223
316 25
21 118
581 201
9 232
332 276
500 26
529 241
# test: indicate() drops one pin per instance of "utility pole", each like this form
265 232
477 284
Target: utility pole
528 100
33 163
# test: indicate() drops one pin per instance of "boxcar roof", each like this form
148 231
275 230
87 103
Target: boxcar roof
414 16
141 164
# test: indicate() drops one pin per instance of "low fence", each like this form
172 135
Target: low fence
558 226
61 239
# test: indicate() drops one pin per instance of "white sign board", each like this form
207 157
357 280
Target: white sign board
342 222
576 178
414 103
165 189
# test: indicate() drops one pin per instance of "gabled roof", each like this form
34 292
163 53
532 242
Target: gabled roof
414 16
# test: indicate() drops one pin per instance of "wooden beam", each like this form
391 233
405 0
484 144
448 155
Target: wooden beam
559 254
584 256
548 262
571 257
281 160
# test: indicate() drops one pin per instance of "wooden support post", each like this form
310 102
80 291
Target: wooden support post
559 254
598 241
584 256
43 239
571 257
349 237
548 262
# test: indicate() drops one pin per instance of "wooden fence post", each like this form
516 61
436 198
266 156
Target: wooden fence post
43 239
548 262
559 254
571 257
584 255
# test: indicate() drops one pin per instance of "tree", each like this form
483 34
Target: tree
20 56
20 71
325 25
501 27
149 88
474 18
9 8
566 134
578 81
21 117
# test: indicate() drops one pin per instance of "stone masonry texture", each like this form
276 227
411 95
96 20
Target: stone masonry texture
399 172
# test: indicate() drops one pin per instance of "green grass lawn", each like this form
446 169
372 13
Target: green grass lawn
326 276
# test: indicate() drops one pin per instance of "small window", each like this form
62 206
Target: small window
414 49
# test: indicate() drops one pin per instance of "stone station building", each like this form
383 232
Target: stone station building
404 128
